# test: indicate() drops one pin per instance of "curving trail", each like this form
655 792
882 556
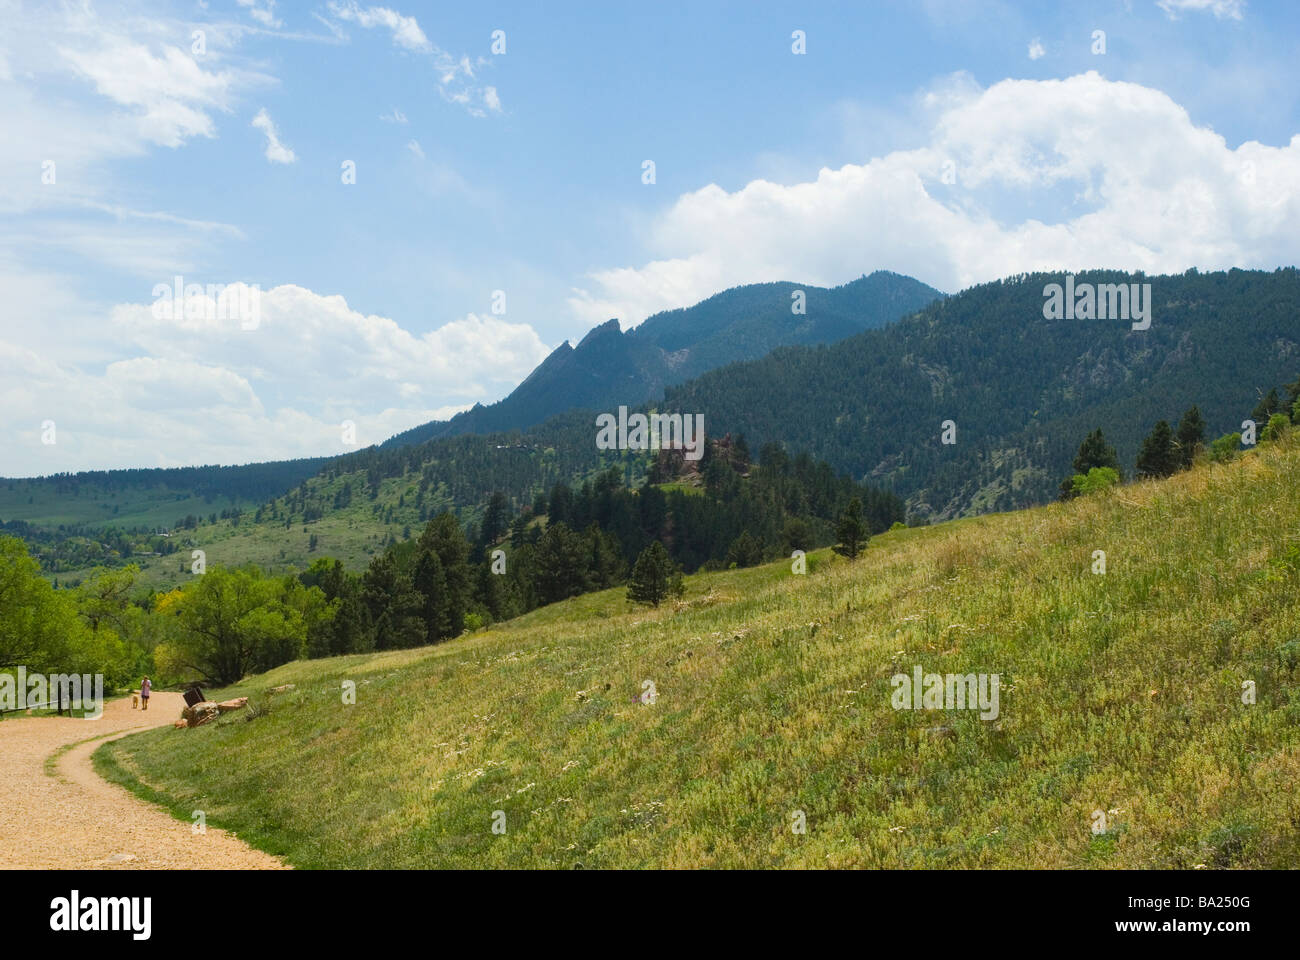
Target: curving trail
77 820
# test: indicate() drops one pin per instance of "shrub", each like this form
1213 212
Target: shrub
1098 478
1226 447
1276 427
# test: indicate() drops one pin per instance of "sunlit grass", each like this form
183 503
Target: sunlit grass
1121 693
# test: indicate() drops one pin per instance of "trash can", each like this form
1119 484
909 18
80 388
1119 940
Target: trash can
192 696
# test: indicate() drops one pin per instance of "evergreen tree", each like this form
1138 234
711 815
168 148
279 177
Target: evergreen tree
796 535
1293 395
850 532
1094 453
517 531
561 564
431 584
496 519
654 576
349 634
740 452
744 551
444 537
491 591
605 559
394 605
1159 456
1190 437
1275 429
1266 407
561 505
652 507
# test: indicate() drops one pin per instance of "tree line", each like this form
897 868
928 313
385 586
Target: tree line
1168 449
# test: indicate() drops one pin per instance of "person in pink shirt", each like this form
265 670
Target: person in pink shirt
145 689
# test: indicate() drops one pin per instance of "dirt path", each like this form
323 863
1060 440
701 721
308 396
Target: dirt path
77 820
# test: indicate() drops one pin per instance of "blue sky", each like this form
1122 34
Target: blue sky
953 141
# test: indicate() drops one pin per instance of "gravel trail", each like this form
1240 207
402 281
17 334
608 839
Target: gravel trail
76 819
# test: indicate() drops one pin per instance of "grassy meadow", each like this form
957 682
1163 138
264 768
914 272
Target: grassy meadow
1121 693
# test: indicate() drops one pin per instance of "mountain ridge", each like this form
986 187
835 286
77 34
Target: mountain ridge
610 366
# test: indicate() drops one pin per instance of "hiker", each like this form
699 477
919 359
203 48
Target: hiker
145 689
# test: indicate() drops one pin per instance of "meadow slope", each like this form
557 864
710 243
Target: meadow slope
1121 693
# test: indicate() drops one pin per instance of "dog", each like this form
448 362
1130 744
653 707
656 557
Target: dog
135 701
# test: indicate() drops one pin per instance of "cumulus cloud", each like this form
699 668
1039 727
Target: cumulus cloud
201 388
1133 182
1222 9
1036 51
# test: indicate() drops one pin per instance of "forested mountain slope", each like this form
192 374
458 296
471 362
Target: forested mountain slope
609 367
1022 390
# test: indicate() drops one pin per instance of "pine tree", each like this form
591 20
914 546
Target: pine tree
395 606
561 570
654 576
1293 395
496 519
1158 457
744 551
605 561
561 505
349 634
850 532
1093 453
431 583
517 531
1270 405
1190 437
444 536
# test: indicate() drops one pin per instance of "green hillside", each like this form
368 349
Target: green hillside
74 522
1022 392
1121 697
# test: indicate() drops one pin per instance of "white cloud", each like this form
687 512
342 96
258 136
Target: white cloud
406 30
263 15
1133 183
204 390
1036 51
276 152
414 147
1222 9
173 95
395 117
456 76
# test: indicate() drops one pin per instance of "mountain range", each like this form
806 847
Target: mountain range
1019 390
610 366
